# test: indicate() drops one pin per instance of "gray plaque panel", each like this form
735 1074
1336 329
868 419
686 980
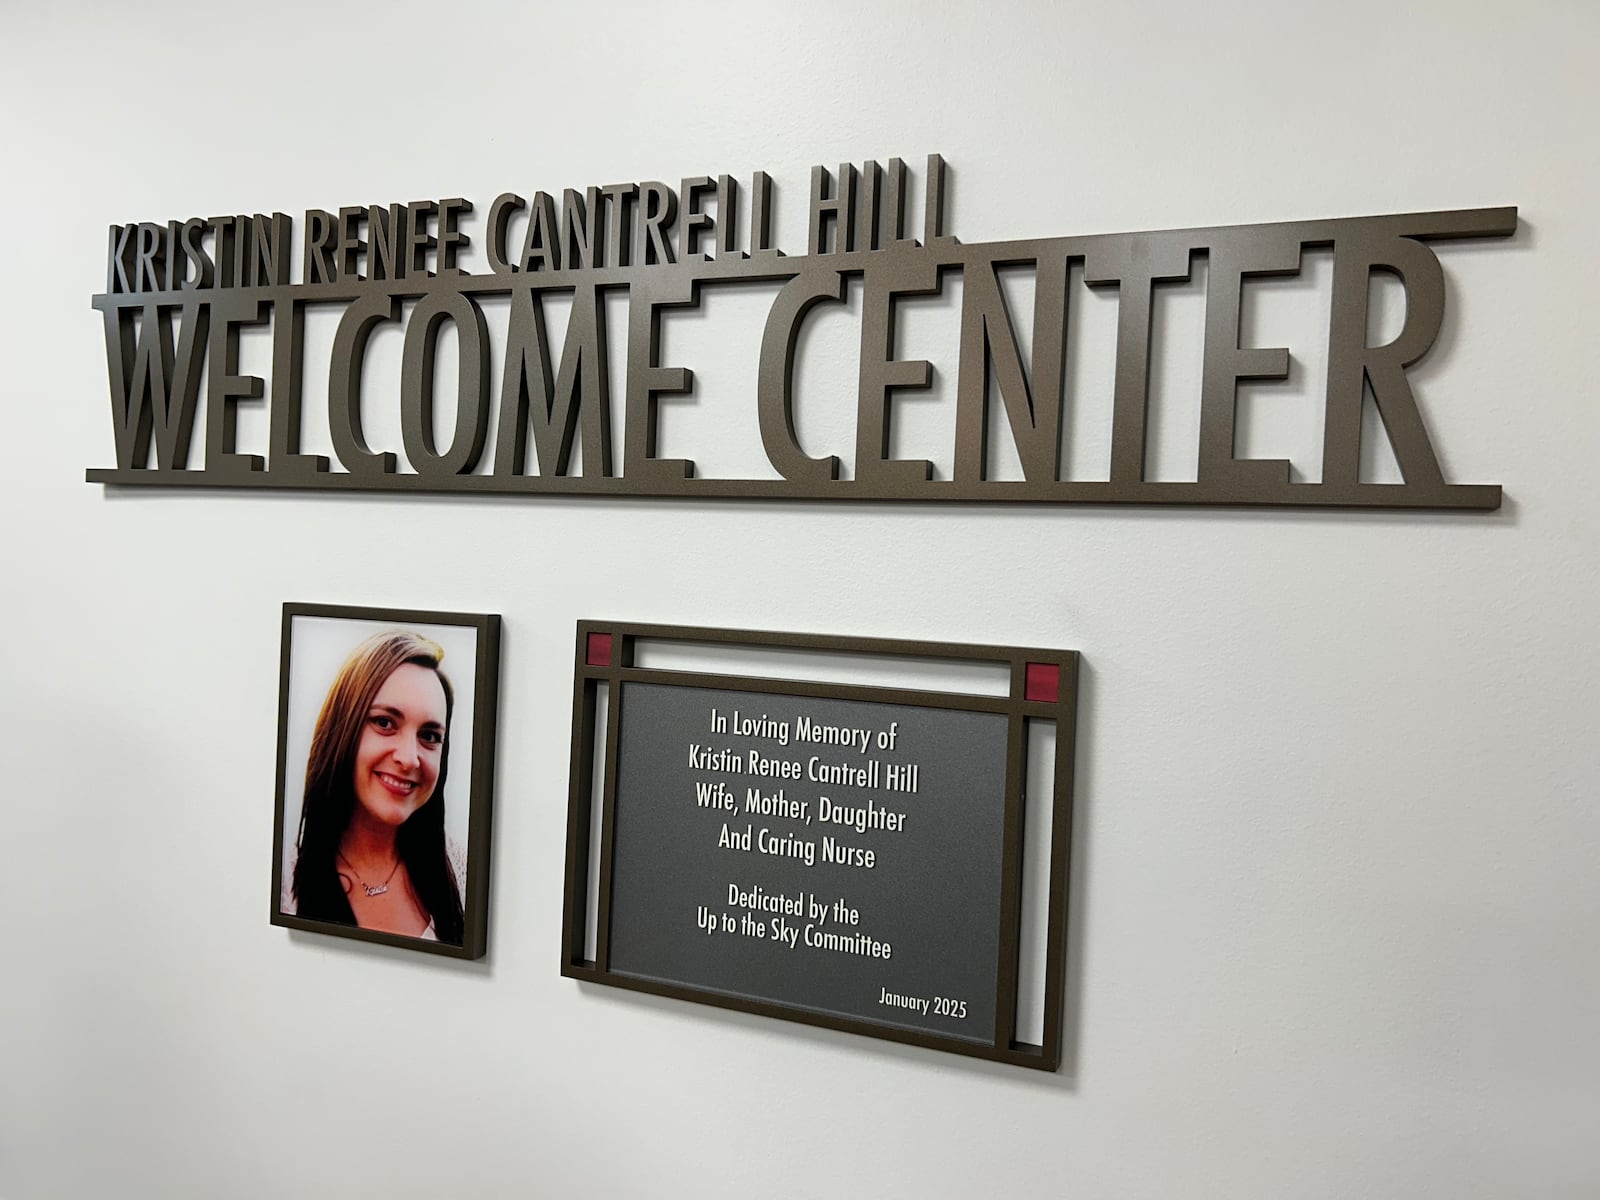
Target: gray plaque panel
708 832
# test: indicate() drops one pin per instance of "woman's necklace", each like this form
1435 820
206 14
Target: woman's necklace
371 889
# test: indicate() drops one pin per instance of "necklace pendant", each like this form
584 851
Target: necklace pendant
376 891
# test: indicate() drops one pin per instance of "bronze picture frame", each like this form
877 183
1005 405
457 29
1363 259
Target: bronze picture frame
328 740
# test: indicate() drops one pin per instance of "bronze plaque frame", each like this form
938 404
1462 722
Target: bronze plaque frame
1042 686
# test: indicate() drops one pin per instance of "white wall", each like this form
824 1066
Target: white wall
1336 892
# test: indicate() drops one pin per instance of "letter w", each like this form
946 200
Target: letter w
580 388
154 390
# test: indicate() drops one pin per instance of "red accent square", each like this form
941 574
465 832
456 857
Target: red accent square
1043 682
598 651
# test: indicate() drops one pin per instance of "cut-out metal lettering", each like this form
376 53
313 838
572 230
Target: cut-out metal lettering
178 293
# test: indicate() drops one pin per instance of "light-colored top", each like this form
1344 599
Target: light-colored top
458 868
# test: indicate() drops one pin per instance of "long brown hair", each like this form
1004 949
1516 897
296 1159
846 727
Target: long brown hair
330 792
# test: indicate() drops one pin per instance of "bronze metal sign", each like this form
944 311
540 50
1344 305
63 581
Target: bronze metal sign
178 294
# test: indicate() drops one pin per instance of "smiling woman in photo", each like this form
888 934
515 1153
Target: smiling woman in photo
372 849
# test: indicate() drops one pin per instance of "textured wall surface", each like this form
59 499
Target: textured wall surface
1335 898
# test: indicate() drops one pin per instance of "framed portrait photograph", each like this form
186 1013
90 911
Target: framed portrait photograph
386 726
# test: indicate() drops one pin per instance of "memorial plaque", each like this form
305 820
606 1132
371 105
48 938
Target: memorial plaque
836 853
